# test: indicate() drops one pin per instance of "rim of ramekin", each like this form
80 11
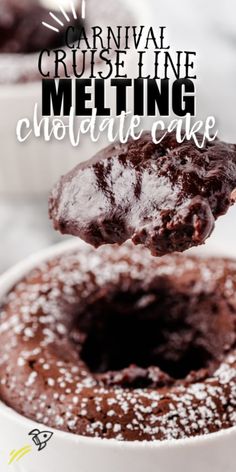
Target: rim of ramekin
9 279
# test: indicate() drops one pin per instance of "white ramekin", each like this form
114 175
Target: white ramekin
67 452
31 168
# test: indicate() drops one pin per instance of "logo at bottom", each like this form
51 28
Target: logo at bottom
15 456
40 438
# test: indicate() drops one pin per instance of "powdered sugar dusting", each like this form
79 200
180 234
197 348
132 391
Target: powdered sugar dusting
42 376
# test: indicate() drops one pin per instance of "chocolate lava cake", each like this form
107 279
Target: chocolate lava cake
22 35
165 196
114 343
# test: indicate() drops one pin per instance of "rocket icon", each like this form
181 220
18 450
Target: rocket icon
40 438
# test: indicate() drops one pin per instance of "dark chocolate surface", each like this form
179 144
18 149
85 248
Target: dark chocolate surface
21 29
166 196
114 343
22 34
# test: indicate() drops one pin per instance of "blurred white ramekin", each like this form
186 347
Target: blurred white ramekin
67 452
31 168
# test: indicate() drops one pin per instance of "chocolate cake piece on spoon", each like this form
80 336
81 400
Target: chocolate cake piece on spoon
165 196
